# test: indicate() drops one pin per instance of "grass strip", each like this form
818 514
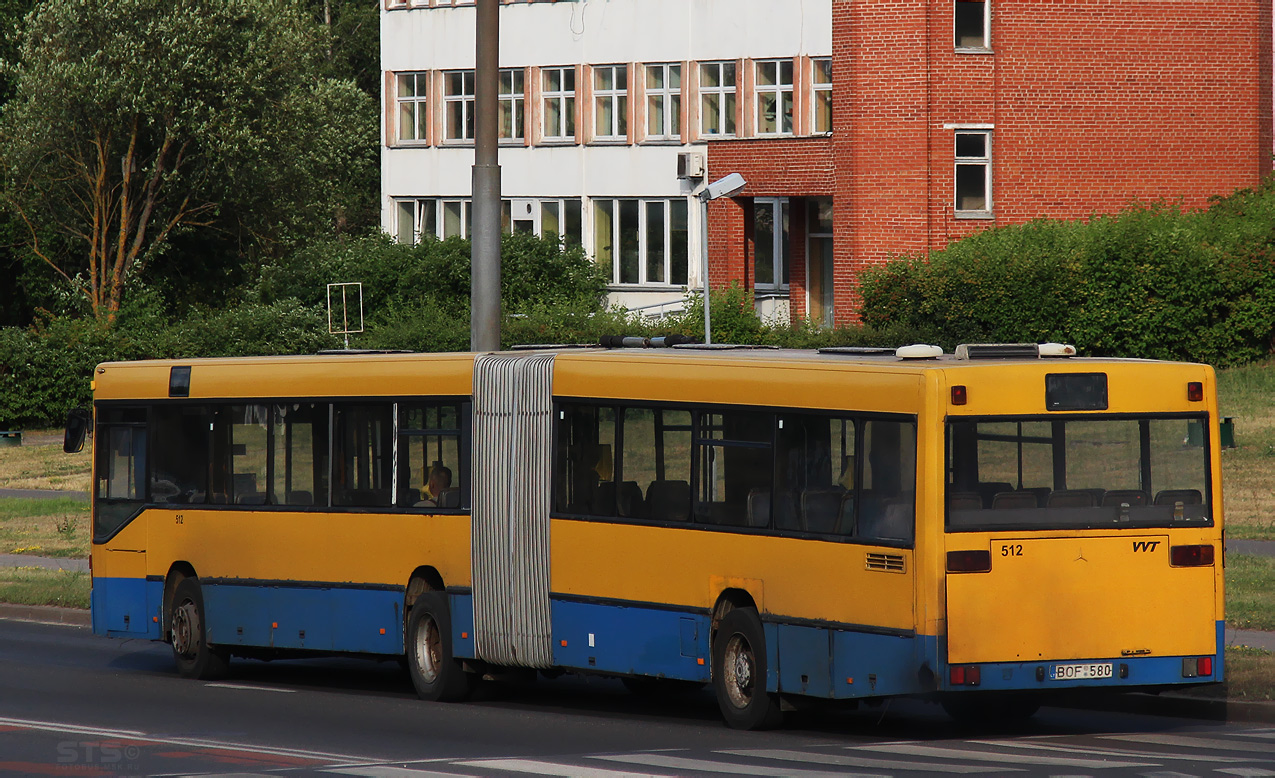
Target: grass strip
37 586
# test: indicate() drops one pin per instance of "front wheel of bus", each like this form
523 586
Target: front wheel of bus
195 658
739 672
435 673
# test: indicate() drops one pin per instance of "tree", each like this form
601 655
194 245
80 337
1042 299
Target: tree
135 120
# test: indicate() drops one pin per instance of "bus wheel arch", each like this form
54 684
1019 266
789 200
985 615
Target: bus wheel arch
194 656
425 578
177 572
727 601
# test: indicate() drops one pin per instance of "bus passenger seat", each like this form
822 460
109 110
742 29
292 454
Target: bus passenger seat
251 499
602 503
1012 500
845 518
449 497
1070 498
758 508
300 497
964 501
989 490
820 509
631 502
1134 498
787 516
1184 496
669 500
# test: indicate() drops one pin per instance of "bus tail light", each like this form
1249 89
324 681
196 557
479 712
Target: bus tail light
959 395
1194 391
978 561
966 675
1197 666
1191 556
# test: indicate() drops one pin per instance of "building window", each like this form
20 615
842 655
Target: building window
550 218
664 102
421 217
822 83
770 244
774 97
973 173
414 218
973 24
717 98
458 105
411 107
642 241
610 102
512 97
558 94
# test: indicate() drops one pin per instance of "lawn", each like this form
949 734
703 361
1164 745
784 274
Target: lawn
40 463
1248 472
56 527
36 586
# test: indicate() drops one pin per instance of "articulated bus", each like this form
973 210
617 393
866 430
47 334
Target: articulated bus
984 528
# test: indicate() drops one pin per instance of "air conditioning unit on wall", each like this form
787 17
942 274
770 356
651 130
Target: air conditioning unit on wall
690 164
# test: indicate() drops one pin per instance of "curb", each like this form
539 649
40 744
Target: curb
46 614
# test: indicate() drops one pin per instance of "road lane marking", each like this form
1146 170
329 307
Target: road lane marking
250 687
218 745
706 766
385 771
1246 772
1188 741
1098 751
861 761
552 768
987 756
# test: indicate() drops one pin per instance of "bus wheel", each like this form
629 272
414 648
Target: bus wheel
195 658
435 674
739 672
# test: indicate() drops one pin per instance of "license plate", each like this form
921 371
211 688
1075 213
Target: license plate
1080 672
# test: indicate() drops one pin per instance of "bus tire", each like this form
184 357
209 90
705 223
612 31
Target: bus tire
436 675
739 672
189 635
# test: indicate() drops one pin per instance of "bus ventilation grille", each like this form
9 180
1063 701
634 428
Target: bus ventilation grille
890 563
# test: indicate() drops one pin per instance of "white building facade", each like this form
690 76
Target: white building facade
599 99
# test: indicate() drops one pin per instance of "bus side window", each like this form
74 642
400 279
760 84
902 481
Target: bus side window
181 443
888 508
121 468
362 445
585 471
735 458
431 473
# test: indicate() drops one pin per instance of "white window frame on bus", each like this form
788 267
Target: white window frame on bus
773 87
412 110
972 151
780 244
610 103
821 89
972 26
458 106
719 100
563 97
664 242
664 101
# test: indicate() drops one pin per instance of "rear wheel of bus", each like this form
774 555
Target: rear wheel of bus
435 672
187 622
739 672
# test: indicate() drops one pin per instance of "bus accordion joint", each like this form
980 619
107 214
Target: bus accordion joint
1191 556
973 561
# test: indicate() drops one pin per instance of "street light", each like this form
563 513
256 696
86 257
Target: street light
722 187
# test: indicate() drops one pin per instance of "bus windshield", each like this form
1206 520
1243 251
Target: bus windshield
1077 473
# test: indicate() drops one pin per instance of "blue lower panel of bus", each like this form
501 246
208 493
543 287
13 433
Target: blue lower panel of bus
633 639
1124 672
321 618
126 607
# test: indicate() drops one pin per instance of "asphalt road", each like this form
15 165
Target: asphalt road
74 704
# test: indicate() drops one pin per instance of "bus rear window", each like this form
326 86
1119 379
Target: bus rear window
1077 473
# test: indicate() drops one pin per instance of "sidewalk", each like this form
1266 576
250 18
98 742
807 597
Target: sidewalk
44 562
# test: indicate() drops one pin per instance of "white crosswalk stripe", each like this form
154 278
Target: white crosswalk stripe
988 756
730 768
385 771
1247 772
551 768
859 761
1099 751
1191 741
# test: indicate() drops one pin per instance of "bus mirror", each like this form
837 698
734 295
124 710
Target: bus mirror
77 428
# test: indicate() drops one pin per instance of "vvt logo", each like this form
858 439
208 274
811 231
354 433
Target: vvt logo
1145 545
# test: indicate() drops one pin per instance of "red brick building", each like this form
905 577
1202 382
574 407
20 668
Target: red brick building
952 116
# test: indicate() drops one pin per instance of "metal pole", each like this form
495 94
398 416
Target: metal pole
484 328
703 227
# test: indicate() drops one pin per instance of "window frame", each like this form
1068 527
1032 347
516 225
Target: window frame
970 161
465 99
781 245
726 117
644 243
818 89
670 99
514 102
986 46
566 100
781 92
616 98
420 108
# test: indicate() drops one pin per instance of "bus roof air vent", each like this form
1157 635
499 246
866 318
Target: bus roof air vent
997 351
1057 350
919 351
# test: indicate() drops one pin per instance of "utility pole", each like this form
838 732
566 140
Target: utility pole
484 326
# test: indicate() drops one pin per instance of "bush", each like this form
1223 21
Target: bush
1152 281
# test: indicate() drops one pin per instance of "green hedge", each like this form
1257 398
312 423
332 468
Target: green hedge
1151 281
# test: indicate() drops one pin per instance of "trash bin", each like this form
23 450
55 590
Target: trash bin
9 438
1226 432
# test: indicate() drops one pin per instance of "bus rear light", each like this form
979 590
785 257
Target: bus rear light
977 561
959 395
1197 666
1191 556
966 675
1195 392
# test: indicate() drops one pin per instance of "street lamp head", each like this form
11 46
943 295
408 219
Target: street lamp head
723 187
